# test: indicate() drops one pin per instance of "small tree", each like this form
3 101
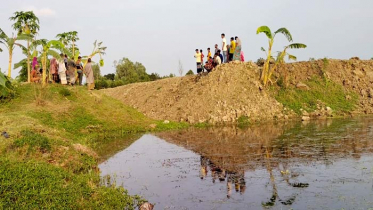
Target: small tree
181 69
26 23
96 71
109 76
10 43
267 72
190 72
97 50
47 50
69 39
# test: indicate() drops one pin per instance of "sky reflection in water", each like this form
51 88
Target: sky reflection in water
326 164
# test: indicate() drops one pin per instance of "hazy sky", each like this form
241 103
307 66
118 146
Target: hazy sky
159 33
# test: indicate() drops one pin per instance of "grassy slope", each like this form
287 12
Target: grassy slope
49 162
321 91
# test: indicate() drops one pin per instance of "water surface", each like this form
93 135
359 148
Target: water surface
319 165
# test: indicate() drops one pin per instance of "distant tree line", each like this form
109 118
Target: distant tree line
126 72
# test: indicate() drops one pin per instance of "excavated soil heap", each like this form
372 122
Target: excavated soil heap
233 90
229 92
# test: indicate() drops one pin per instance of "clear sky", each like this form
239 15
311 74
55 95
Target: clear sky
159 33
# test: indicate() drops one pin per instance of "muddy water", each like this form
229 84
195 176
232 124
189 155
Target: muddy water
319 165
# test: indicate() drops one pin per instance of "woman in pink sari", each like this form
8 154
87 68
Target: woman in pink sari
54 70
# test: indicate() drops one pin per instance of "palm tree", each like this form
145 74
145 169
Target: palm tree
26 23
267 73
97 50
10 43
69 38
47 50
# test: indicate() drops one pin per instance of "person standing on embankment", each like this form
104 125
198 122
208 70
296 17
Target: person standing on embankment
198 57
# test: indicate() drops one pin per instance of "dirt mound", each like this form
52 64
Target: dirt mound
228 93
233 91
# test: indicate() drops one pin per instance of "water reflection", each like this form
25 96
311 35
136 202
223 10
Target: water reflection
297 165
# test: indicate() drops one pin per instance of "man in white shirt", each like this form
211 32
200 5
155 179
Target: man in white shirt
62 70
224 48
198 57
217 59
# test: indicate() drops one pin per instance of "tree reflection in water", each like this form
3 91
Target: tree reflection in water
226 153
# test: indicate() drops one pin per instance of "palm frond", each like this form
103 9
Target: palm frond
265 30
56 44
53 53
24 37
297 46
20 63
286 33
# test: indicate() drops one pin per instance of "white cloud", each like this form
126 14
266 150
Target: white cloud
42 12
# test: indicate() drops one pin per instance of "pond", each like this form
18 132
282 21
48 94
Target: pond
315 165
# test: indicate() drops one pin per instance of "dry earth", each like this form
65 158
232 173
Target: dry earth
233 90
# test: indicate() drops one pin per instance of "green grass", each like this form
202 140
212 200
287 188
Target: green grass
321 91
32 140
35 185
50 162
243 121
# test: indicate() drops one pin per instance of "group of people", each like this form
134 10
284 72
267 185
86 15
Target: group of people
230 52
65 71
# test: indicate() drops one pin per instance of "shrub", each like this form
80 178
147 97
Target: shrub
65 92
190 72
243 121
6 88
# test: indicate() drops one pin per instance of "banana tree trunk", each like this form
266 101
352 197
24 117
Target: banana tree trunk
44 61
10 63
282 56
28 62
266 65
73 50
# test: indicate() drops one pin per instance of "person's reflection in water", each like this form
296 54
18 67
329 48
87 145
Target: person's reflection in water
204 170
222 175
229 187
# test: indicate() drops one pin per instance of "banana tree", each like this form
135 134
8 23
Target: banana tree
69 38
97 50
26 23
47 50
271 37
23 64
10 43
280 60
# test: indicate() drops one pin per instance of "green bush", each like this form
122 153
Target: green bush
65 92
243 121
6 88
